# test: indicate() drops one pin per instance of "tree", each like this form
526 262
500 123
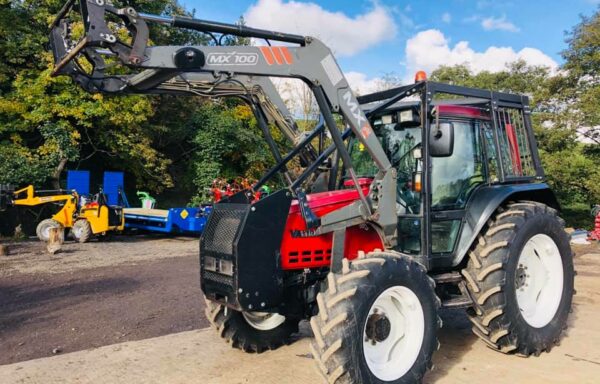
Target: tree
46 122
229 144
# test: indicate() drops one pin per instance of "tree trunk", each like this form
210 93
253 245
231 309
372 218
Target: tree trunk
56 175
55 241
3 250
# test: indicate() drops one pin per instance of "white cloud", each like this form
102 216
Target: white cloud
345 35
361 84
499 23
430 49
446 17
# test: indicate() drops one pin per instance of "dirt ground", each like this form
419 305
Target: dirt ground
96 294
132 310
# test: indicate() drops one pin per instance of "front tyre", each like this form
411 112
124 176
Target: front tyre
377 321
43 229
253 332
520 274
82 231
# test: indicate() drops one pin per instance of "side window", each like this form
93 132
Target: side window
514 145
490 149
454 178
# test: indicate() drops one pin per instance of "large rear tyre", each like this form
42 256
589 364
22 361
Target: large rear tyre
252 332
82 231
377 321
520 274
43 229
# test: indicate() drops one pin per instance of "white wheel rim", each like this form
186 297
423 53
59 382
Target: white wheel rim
539 280
263 321
393 357
77 232
46 232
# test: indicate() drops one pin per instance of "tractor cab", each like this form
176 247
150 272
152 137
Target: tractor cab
463 156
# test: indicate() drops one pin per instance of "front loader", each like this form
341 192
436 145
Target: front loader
94 218
436 198
62 219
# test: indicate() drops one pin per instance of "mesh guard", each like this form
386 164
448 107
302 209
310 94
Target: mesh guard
248 235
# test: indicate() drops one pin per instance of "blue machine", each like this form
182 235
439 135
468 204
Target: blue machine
113 186
79 181
189 221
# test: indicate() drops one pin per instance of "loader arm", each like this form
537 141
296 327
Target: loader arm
160 69
28 197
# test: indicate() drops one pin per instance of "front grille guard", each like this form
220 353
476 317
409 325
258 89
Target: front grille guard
247 234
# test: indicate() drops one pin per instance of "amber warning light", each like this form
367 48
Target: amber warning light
420 76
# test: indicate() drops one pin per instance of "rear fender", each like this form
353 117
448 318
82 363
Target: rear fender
486 200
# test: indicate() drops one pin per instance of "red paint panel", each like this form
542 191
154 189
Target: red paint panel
463 111
315 251
515 154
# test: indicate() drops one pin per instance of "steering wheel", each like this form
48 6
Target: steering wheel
462 196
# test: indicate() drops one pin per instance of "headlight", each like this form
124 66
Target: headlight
217 265
226 267
210 264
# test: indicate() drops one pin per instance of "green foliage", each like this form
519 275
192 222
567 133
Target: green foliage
47 123
229 144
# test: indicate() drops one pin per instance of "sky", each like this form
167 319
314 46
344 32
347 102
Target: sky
371 38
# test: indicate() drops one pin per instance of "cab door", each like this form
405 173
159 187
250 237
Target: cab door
453 180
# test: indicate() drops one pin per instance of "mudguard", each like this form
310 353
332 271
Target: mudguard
486 200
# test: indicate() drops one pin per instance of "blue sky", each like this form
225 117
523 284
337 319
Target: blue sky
371 38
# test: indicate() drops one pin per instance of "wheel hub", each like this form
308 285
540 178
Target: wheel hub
521 277
378 327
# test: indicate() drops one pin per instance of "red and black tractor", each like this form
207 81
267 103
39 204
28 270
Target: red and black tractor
425 196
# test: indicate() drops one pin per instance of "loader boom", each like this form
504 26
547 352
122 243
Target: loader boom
209 70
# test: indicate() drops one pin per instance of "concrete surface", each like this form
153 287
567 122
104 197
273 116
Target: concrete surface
201 357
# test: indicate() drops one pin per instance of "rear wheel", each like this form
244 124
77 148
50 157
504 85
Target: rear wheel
520 274
82 231
253 332
377 321
43 229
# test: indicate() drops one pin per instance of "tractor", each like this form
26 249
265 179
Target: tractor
429 196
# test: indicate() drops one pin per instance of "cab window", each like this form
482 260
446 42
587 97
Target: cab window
454 178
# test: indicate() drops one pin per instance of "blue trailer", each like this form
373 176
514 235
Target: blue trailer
187 221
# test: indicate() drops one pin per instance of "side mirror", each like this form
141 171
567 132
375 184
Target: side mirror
441 139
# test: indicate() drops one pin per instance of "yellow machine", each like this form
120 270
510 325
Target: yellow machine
94 217
64 218
97 218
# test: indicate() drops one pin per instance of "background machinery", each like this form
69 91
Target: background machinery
29 197
97 218
429 203
94 217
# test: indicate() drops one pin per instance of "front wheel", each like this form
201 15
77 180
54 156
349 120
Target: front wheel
43 229
520 274
377 321
253 332
82 231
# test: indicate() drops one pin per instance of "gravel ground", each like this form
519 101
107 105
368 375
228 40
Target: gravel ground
96 294
30 257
